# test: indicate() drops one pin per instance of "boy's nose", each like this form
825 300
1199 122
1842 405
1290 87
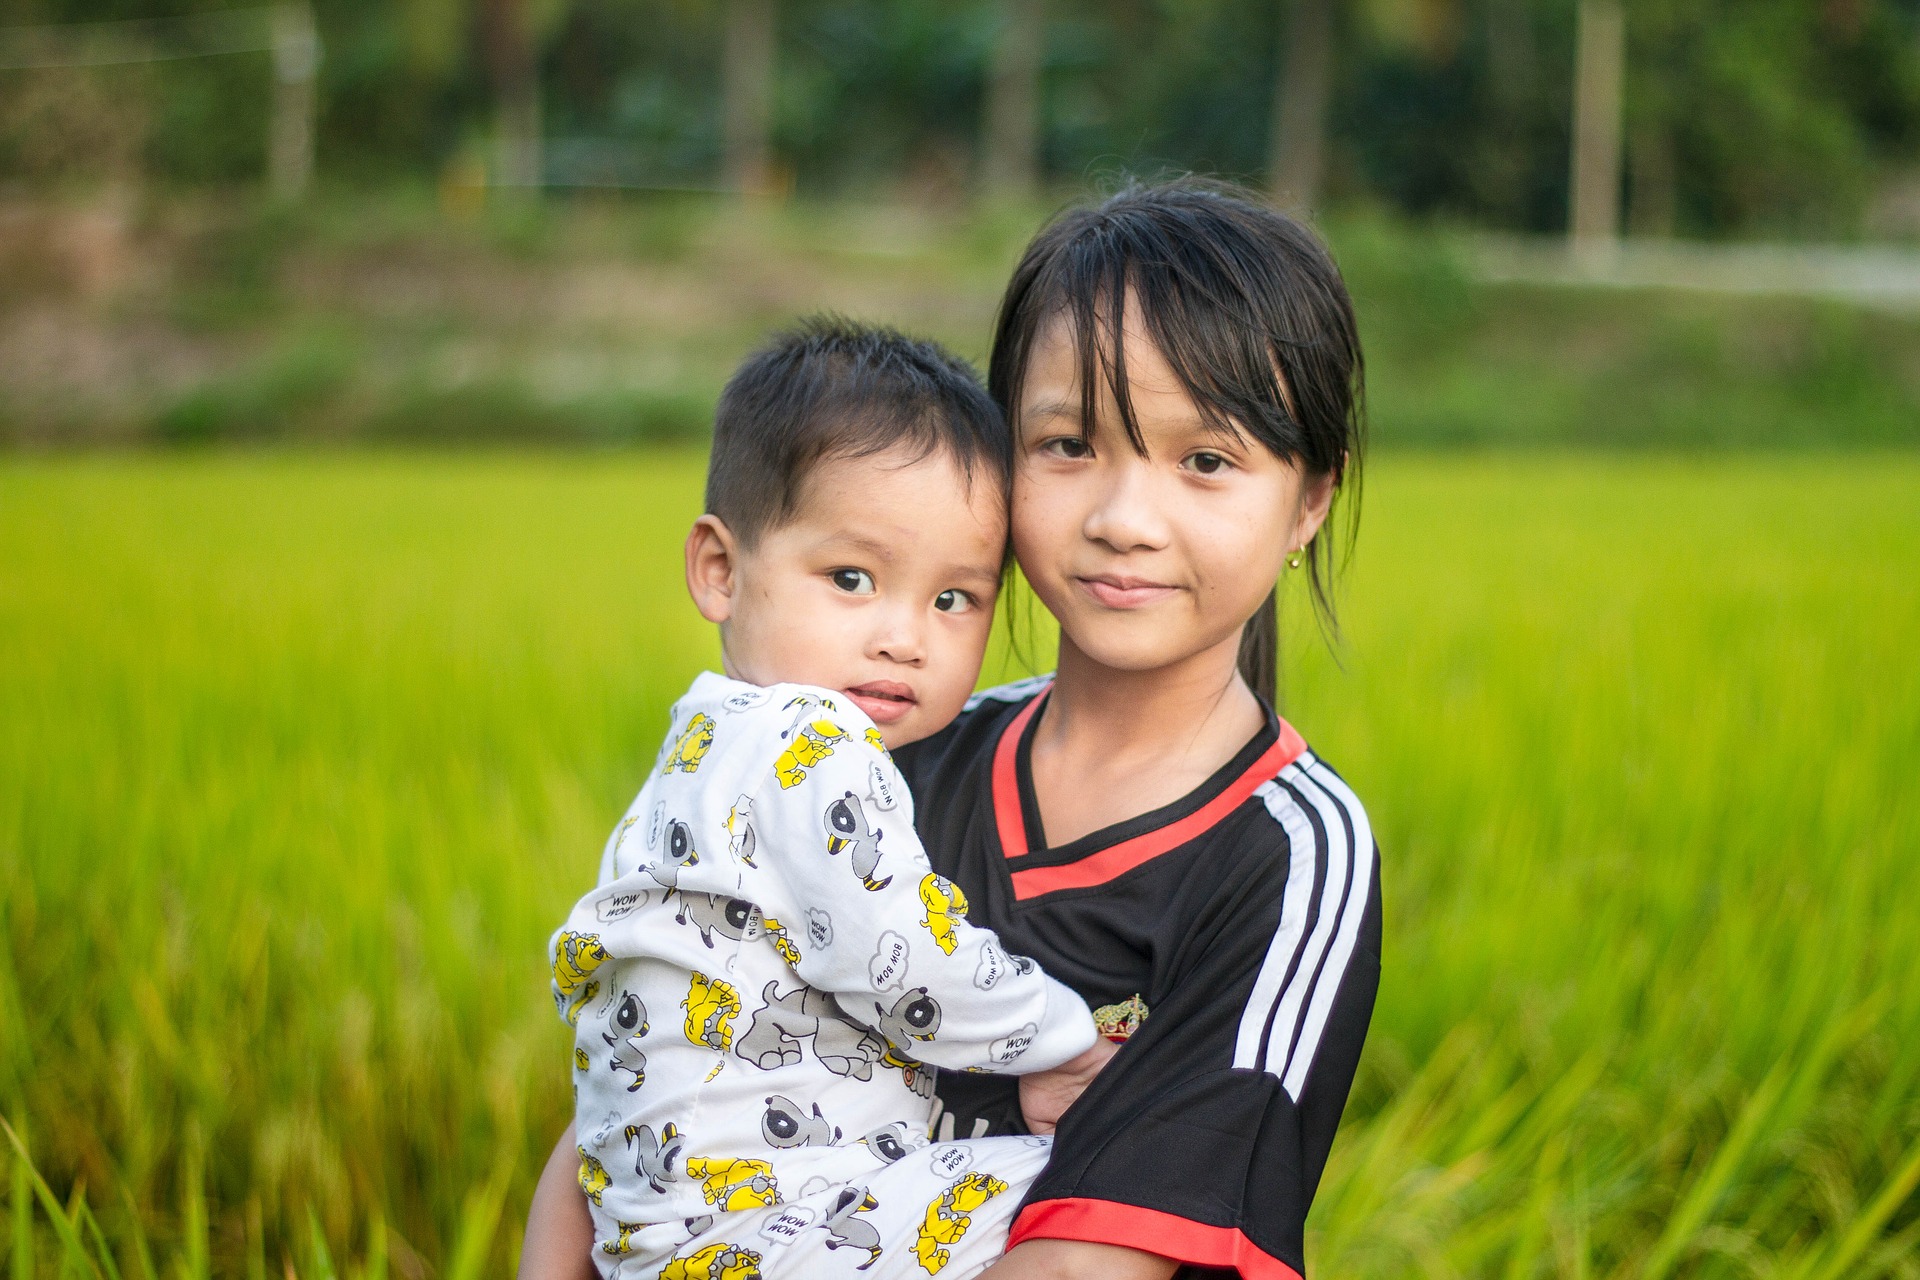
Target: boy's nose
900 639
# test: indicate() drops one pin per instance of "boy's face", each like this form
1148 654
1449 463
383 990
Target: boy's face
881 585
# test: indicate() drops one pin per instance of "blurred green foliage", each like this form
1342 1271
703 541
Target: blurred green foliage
1743 116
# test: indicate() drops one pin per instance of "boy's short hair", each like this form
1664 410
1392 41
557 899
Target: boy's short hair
832 388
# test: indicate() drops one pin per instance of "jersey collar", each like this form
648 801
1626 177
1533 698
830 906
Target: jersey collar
1116 850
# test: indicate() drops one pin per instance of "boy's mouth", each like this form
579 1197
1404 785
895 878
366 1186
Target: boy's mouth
884 701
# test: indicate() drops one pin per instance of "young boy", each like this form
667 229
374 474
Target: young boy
769 959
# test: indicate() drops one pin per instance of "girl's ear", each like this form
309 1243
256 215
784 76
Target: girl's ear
1316 500
712 561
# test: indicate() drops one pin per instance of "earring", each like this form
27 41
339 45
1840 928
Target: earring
1293 557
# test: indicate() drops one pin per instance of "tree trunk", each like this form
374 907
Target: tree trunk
1299 133
747 76
518 161
1594 219
296 58
1010 157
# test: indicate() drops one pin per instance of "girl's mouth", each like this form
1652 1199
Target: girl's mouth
884 701
1116 591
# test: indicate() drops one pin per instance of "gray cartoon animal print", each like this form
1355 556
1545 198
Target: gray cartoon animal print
655 1156
679 855
785 1125
626 1023
845 1231
742 842
734 918
914 1016
893 1142
849 832
773 1040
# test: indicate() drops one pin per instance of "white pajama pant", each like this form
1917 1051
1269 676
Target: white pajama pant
939 1211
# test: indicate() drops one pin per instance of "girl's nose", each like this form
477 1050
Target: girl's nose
1126 516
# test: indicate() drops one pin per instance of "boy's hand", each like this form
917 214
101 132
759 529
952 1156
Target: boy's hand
1046 1095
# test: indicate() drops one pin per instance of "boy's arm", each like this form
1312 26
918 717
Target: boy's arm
865 917
559 1239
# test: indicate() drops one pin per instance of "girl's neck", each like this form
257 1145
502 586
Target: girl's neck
1112 745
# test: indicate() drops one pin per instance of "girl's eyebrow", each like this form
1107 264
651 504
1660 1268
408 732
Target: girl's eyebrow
1052 409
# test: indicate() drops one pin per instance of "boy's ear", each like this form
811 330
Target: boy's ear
712 559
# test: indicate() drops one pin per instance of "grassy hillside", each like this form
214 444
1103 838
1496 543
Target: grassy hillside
302 757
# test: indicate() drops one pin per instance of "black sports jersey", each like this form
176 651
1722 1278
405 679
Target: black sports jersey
1232 938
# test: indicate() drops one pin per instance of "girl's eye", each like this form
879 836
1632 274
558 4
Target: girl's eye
1208 464
1067 447
953 602
855 582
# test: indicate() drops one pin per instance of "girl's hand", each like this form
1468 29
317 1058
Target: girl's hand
1046 1095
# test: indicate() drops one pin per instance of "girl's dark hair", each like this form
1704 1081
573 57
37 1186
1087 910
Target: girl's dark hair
1248 309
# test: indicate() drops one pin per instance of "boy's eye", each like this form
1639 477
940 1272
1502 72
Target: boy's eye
1208 464
953 602
856 582
1067 447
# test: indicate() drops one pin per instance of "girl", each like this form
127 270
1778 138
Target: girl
1182 372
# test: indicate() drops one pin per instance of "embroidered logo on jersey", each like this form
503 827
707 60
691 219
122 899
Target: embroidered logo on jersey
654 1159
944 903
846 1231
711 1005
690 748
715 1262
785 1125
733 1184
575 957
811 744
949 1216
593 1176
1118 1022
849 832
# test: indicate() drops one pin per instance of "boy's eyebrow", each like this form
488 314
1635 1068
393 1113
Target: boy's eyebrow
860 542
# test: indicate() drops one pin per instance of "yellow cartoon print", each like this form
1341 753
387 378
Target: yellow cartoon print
781 942
875 741
624 1245
944 903
575 957
711 1005
812 744
580 1060
593 1176
691 746
949 1217
734 1184
715 1262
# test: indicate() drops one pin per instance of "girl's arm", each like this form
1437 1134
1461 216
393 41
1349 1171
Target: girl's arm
559 1240
1078 1260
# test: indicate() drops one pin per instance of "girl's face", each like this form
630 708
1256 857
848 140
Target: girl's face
1147 560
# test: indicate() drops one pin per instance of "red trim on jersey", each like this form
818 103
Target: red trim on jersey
1006 780
1164 1235
1116 860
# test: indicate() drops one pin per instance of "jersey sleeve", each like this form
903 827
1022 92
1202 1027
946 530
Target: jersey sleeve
861 914
1204 1139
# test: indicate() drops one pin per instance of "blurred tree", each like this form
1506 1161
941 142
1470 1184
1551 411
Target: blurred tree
1301 91
748 80
1600 69
1010 145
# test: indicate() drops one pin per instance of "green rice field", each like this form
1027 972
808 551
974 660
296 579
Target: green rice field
303 755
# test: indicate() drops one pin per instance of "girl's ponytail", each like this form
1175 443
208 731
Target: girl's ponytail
1260 650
